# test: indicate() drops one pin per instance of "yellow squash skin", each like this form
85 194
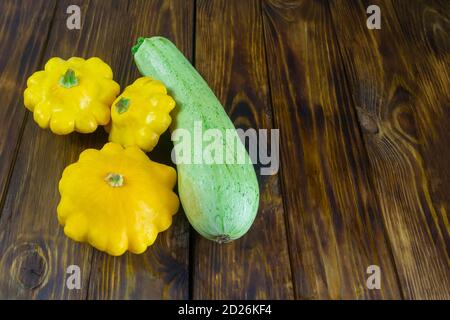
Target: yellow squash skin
116 199
72 95
141 114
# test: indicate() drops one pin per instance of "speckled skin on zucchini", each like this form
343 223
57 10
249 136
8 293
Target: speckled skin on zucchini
220 200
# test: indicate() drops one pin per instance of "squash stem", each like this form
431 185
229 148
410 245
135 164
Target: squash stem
139 42
122 105
68 80
223 238
115 180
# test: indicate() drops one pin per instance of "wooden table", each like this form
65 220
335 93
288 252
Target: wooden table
364 119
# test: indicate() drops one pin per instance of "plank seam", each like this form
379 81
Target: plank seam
191 258
279 178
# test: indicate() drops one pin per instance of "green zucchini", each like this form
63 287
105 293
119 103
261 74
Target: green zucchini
220 200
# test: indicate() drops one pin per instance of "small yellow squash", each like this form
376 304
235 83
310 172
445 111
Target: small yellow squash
116 199
72 95
141 114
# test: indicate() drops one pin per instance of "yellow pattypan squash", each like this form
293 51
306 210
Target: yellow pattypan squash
72 95
141 114
116 199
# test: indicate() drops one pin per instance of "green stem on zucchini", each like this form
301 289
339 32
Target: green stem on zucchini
68 80
135 48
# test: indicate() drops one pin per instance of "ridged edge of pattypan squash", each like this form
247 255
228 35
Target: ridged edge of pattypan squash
71 95
116 199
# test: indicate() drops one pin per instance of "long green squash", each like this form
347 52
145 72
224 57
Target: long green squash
220 200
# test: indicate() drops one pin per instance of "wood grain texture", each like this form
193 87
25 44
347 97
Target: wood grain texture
230 56
399 79
334 226
163 271
18 39
364 128
427 30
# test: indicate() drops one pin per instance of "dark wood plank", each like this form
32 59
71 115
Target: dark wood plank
230 56
427 33
334 229
399 78
23 33
162 272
